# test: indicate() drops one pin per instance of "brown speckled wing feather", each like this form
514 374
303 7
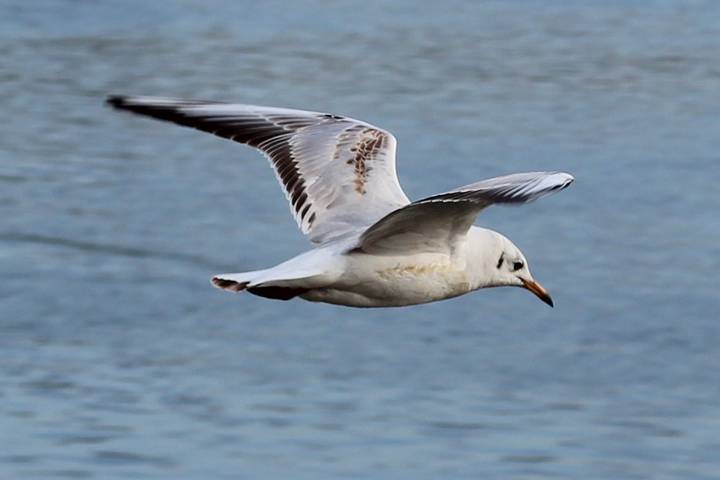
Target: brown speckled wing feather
337 173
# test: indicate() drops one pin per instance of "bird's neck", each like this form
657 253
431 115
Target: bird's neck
482 251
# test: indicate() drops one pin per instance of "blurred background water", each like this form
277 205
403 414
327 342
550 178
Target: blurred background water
118 359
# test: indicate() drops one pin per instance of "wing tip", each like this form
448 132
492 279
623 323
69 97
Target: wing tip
566 177
561 180
116 101
128 102
553 182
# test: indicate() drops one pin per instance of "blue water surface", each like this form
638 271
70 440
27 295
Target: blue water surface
118 360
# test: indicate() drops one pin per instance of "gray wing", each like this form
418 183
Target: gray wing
437 223
338 174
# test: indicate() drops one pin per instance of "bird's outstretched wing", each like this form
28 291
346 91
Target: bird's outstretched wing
437 223
337 173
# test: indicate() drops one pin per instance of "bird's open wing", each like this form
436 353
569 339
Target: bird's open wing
437 223
337 173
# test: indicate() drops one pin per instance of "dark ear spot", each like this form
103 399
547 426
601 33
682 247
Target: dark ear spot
500 262
517 266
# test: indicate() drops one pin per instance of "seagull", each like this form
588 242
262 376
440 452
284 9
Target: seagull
373 247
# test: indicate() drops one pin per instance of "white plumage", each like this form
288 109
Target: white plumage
374 247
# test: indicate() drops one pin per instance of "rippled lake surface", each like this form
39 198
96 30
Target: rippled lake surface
118 360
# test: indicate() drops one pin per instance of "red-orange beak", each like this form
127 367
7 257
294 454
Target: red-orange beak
538 290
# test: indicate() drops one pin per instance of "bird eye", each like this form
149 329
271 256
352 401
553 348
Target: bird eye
517 266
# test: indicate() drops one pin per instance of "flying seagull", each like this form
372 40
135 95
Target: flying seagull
373 246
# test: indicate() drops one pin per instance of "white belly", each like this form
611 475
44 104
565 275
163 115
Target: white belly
386 281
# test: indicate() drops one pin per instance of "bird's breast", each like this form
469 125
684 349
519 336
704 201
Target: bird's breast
405 280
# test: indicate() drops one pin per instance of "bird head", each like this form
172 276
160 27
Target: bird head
510 268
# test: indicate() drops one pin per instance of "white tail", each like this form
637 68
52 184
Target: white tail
287 280
233 282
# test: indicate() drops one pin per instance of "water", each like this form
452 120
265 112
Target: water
118 360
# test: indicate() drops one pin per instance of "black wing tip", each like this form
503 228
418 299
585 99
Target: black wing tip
126 101
156 107
116 101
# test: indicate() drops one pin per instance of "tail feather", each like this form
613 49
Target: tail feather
282 282
259 284
229 284
238 282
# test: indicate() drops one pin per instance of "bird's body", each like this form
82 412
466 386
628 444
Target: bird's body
380 281
336 274
373 247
